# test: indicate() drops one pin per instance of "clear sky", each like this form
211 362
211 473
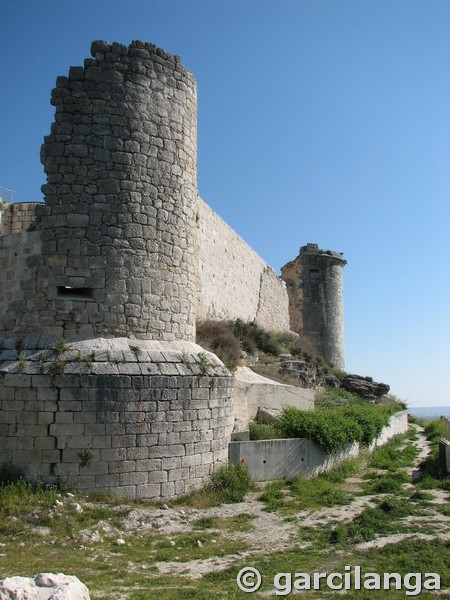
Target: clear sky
324 121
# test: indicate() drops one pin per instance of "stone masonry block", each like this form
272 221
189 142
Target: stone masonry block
11 380
122 466
168 489
178 474
125 491
148 491
44 443
113 454
107 481
157 477
133 478
154 464
64 429
73 441
171 463
166 451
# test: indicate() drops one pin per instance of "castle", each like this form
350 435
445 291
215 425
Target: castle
102 284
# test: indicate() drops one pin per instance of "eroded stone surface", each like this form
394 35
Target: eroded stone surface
45 586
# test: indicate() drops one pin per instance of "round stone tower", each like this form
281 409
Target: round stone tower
118 224
314 282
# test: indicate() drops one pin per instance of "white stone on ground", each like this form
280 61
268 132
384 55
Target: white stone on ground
45 586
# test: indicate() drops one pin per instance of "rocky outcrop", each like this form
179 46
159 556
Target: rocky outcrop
45 586
365 387
307 375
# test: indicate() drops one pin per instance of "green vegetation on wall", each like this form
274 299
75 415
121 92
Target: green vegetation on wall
228 339
334 428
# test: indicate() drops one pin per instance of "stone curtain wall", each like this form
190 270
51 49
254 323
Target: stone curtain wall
17 217
118 222
146 421
234 281
20 258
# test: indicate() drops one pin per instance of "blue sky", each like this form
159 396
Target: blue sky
324 121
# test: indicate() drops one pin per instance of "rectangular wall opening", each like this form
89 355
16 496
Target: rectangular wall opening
66 292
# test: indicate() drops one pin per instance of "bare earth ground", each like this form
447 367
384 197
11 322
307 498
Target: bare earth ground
270 530
140 551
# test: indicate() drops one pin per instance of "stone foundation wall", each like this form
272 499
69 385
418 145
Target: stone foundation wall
139 419
235 282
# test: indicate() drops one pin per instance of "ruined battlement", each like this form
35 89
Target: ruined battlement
17 216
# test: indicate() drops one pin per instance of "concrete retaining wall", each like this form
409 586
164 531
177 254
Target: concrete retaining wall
277 459
444 453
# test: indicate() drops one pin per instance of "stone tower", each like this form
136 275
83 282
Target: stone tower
314 283
98 301
118 225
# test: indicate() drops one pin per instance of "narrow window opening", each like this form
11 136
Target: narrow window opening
73 293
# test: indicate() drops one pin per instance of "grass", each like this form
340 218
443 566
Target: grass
434 473
263 431
386 483
240 522
39 534
382 519
303 493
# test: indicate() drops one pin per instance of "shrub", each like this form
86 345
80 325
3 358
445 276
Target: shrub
232 482
263 431
370 418
330 429
335 428
436 430
333 397
218 337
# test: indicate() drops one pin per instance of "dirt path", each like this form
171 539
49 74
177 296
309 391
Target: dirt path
271 530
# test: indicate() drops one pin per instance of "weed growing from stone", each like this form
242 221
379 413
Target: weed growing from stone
59 347
85 457
204 363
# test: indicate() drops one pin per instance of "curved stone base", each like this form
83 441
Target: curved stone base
137 418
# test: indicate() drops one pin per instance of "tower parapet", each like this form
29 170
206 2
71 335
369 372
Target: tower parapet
314 283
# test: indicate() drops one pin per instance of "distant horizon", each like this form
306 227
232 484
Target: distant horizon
431 411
